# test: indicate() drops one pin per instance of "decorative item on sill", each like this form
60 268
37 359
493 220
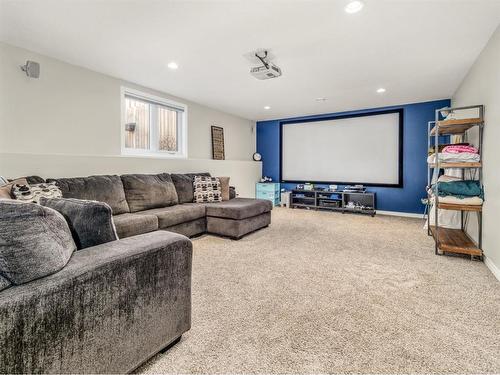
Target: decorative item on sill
266 179
130 126
218 143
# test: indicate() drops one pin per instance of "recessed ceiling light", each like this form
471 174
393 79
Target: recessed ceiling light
381 90
321 99
267 107
172 65
354 6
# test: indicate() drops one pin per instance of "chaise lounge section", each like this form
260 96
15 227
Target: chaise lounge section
238 217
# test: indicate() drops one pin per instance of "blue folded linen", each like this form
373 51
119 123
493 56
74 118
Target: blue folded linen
460 189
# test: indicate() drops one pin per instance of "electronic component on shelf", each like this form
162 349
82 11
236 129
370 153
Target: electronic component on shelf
354 189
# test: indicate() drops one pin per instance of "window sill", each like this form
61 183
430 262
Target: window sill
153 155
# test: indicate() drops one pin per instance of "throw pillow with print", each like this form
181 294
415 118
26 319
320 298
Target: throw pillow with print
33 193
206 189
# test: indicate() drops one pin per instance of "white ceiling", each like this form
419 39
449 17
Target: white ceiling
417 49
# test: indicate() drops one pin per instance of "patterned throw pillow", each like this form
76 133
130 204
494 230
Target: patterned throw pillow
207 189
6 190
33 193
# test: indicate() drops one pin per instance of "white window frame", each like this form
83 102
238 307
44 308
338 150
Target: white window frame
182 130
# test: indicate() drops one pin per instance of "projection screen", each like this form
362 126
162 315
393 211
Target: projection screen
366 149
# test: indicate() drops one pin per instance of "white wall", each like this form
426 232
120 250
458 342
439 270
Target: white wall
482 86
71 112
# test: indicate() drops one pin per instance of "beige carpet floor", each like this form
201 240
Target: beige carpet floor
320 292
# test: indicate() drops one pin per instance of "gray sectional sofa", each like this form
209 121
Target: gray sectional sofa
111 306
143 203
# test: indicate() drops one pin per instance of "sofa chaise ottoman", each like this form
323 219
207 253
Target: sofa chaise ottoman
238 217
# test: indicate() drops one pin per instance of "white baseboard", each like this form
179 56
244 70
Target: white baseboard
402 214
492 267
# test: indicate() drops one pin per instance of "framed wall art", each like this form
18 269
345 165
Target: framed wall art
218 143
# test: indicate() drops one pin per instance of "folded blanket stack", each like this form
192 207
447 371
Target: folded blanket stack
467 192
457 149
432 149
460 189
470 201
462 157
455 153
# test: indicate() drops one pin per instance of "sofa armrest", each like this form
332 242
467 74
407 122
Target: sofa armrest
111 308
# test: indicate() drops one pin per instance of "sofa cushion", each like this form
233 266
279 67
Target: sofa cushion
128 225
90 222
184 187
181 213
107 189
190 228
35 241
146 191
239 208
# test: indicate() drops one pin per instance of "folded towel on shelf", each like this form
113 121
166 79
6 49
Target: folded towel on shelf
460 114
460 189
442 147
463 157
471 201
457 149
446 178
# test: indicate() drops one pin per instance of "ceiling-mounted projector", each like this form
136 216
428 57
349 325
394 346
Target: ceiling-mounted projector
267 70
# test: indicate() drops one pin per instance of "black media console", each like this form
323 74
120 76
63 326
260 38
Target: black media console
342 201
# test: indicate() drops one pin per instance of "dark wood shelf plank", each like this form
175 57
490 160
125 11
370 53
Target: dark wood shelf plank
460 207
455 241
448 127
457 165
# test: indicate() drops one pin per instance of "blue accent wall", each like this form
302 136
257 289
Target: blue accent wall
405 199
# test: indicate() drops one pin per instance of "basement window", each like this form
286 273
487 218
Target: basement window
153 126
